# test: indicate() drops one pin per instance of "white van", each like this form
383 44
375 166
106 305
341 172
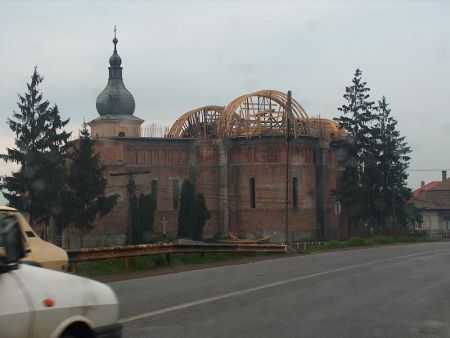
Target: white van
38 302
37 251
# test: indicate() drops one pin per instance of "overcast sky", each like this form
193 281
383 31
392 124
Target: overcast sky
178 55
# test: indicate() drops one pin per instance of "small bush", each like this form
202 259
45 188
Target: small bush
336 245
370 241
357 241
384 240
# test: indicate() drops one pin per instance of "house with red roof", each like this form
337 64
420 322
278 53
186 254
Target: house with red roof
433 201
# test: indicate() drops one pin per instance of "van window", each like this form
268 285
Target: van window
30 234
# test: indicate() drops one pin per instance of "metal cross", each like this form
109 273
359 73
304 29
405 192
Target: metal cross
115 30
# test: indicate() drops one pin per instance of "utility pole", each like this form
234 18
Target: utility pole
131 187
287 174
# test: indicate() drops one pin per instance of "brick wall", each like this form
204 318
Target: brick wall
263 159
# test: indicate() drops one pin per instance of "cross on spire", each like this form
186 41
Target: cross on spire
115 39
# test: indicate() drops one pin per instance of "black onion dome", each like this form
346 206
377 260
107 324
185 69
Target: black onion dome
115 99
115 60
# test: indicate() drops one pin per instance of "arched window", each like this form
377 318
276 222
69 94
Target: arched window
133 156
297 155
141 156
175 194
252 193
154 192
295 192
270 153
121 134
249 154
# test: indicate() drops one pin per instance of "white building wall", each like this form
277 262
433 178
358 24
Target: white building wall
434 220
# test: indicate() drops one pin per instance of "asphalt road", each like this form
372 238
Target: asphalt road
395 291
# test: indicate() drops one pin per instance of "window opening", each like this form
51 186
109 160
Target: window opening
295 192
154 192
175 194
252 193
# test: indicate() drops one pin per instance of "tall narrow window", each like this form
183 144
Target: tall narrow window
295 192
175 194
252 193
154 192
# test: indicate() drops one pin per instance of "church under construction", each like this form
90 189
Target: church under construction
264 166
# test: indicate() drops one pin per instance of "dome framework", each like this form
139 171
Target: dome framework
197 123
261 113
264 112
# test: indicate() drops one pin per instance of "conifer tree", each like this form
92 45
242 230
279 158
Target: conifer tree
186 215
373 186
202 214
86 184
393 162
357 119
193 212
40 150
146 219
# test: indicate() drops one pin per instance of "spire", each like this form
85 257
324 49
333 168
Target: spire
115 40
115 99
115 60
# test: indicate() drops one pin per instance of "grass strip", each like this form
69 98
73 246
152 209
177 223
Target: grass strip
144 263
357 241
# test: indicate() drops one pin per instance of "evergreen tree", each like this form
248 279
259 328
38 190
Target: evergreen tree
358 181
373 186
186 215
86 185
146 219
193 212
202 214
40 147
391 167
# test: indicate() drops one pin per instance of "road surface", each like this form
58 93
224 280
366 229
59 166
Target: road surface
391 291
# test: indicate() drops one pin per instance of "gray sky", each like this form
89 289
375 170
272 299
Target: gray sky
178 55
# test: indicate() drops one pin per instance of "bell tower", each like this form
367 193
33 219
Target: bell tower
115 105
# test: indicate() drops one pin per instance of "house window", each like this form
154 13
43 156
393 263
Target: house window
121 134
175 194
295 192
252 193
154 192
427 221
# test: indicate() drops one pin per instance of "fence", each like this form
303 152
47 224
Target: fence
126 251
304 245
437 233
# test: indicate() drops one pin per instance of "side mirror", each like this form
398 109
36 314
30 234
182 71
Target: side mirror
11 240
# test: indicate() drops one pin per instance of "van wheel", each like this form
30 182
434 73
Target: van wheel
77 330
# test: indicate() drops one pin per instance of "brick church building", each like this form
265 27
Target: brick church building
240 156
